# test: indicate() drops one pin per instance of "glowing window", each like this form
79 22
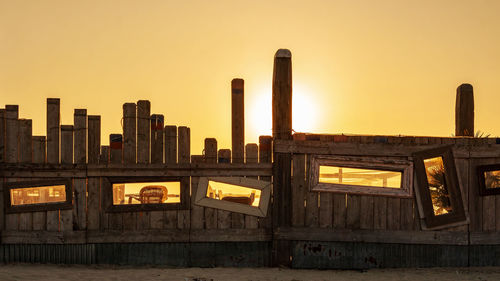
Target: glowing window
134 193
233 193
37 195
438 188
361 175
489 179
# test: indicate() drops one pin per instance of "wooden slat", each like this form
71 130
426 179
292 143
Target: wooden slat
299 189
11 154
380 212
94 138
143 131
129 133
224 217
237 136
464 111
408 217
95 156
325 209
39 218
393 213
80 157
156 124
475 200
53 121
366 212
252 156
184 156
210 157
25 156
197 212
312 208
115 148
339 211
265 154
170 158
2 144
353 211
66 216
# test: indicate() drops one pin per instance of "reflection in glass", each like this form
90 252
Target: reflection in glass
233 193
38 195
492 179
361 177
438 189
146 193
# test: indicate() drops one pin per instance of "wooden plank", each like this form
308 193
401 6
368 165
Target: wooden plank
312 208
408 217
380 212
170 158
475 200
94 138
325 209
464 111
497 213
353 211
39 218
66 216
43 237
339 211
210 157
156 217
252 156
95 156
53 129
393 213
299 190
265 155
197 212
11 154
25 156
80 157
143 131
237 136
2 144
184 156
366 212
224 217
129 133
489 213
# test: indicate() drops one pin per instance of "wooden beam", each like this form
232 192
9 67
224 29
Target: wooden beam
464 111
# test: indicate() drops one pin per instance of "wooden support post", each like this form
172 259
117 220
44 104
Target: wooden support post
184 145
80 157
143 134
94 157
129 133
224 217
25 156
464 111
252 156
115 148
237 120
265 156
11 154
66 216
53 121
170 216
2 137
39 218
156 138
282 130
197 212
210 157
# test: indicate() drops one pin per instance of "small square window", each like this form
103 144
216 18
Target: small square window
142 194
361 175
32 196
235 194
489 179
438 192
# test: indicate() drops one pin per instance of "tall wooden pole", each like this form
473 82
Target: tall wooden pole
464 111
237 120
282 130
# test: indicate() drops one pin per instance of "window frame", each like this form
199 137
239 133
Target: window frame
424 201
107 187
201 198
481 169
67 204
375 163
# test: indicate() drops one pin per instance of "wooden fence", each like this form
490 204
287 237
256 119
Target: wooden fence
302 229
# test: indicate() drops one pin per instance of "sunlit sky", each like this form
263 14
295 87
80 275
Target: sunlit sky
364 67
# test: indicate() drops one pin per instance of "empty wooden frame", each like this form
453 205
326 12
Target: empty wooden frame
489 179
361 175
235 194
438 194
30 196
143 194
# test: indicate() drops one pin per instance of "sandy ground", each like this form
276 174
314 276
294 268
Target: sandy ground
52 272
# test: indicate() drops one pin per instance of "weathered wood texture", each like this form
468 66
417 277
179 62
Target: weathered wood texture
464 111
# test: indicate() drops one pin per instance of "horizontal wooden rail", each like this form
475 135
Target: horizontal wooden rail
134 170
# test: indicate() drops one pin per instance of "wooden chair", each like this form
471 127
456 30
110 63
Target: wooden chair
152 194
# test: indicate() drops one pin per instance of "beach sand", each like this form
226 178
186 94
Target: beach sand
111 273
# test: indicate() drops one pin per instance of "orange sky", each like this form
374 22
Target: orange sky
374 67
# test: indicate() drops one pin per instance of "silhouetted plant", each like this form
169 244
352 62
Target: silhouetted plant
492 180
438 189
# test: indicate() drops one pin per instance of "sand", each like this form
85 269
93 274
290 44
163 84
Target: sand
111 273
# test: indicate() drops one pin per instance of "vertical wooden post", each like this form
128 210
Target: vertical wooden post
282 130
265 156
170 158
80 157
197 212
224 218
11 153
157 138
464 111
129 133
39 218
237 120
210 157
53 121
143 150
252 156
101 219
94 142
184 150
115 148
2 136
66 216
25 156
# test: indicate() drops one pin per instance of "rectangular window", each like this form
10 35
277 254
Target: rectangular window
438 192
144 194
489 179
361 175
235 194
38 195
